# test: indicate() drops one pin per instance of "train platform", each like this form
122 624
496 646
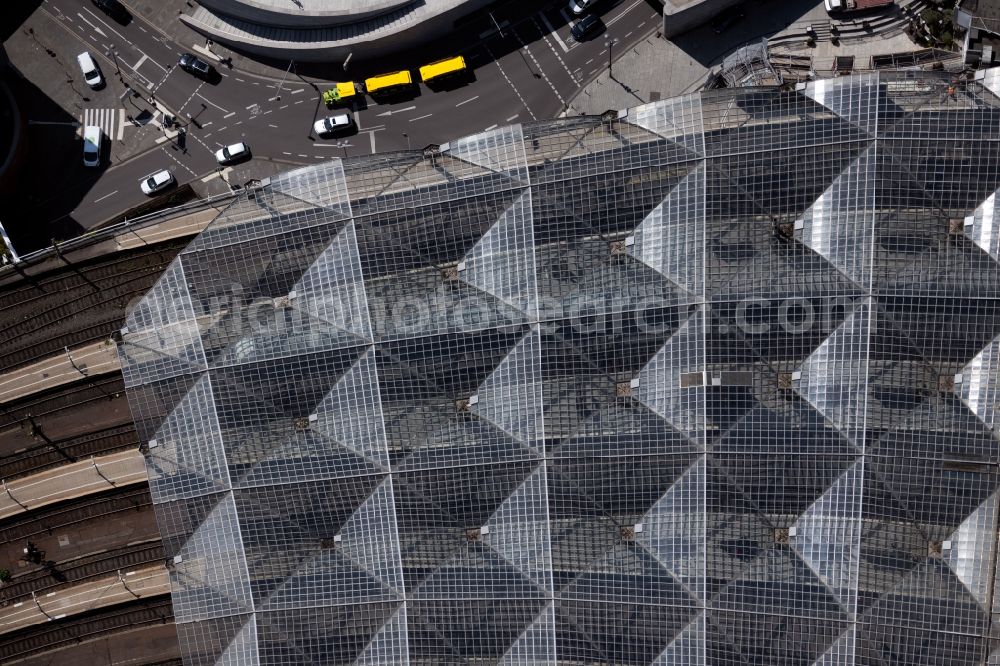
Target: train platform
97 358
70 481
132 584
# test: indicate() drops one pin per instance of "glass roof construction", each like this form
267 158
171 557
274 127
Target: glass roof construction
712 381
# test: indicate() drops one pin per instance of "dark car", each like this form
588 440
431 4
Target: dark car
727 18
195 65
114 9
586 28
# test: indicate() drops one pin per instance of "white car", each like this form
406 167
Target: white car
155 182
232 153
580 6
91 72
333 124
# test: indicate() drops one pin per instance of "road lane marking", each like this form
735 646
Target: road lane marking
206 124
524 47
325 145
511 83
106 196
512 117
301 155
231 113
141 28
213 103
371 135
121 124
394 111
254 105
96 29
545 38
284 153
552 31
471 99
625 11
491 127
143 59
296 92
421 117
300 101
274 126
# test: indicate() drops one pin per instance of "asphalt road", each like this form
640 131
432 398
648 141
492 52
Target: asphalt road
528 70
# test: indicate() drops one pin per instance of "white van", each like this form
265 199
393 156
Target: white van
92 145
91 73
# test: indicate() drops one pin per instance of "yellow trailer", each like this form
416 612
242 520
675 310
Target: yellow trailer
388 82
442 69
340 92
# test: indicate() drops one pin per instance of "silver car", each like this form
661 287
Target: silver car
155 182
333 124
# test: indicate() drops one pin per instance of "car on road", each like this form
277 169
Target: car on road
114 9
92 145
580 6
586 28
232 153
155 182
333 124
91 72
192 64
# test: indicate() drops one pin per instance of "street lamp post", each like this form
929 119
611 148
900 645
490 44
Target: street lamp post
277 95
610 44
114 56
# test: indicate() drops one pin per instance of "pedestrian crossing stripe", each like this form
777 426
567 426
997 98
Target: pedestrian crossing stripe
106 119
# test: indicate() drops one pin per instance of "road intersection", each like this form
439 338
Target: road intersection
526 70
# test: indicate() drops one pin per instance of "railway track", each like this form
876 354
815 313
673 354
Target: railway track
79 628
80 305
46 456
47 520
65 397
44 579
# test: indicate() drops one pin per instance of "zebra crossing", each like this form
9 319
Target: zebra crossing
109 120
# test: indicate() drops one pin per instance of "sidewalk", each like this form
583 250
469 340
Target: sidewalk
146 582
653 69
93 475
97 358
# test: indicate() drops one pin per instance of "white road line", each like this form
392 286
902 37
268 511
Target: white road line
589 61
325 145
223 129
296 92
213 104
283 107
178 162
231 113
141 28
545 38
206 124
490 128
301 155
121 124
421 117
552 31
284 153
252 106
143 59
240 80
96 29
471 99
512 117
300 101
611 22
538 65
274 126
371 135
627 34
106 196
511 83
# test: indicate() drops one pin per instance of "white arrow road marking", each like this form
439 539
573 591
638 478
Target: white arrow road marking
96 29
392 111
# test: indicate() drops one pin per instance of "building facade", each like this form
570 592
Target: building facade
714 381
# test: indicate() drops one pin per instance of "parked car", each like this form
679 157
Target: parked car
586 28
194 65
91 72
333 124
114 9
232 153
580 6
155 182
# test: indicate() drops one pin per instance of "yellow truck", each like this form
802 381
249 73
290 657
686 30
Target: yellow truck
340 93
